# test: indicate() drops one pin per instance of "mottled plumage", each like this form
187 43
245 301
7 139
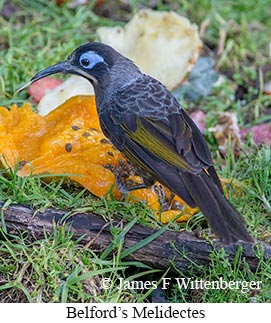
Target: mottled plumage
145 121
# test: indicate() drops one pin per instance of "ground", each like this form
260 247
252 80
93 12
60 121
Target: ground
36 34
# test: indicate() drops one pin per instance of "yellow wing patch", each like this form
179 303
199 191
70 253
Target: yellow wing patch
146 139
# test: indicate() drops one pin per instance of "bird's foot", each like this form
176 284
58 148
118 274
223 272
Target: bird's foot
161 196
122 185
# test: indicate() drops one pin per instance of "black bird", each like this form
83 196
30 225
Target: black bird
146 123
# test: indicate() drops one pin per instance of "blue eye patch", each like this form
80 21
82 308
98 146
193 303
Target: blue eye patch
90 59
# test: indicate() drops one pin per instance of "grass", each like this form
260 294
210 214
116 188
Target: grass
57 268
220 268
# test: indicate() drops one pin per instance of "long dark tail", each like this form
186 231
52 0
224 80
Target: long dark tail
225 221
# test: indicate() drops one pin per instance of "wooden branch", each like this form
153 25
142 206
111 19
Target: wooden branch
170 247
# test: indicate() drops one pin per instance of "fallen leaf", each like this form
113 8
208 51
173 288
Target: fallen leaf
199 117
227 129
261 134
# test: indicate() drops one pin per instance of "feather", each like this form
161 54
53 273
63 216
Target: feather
222 217
162 140
146 123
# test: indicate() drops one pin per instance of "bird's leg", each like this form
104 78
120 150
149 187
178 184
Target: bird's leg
148 181
124 188
161 196
171 200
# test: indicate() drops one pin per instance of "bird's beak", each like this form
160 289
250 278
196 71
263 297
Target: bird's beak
63 67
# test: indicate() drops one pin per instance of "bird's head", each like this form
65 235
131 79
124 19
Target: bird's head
97 62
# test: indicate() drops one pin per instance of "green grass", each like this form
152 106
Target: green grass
220 268
57 268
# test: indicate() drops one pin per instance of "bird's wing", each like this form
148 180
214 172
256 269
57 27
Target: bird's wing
152 118
161 138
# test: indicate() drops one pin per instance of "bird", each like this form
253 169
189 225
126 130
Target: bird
147 124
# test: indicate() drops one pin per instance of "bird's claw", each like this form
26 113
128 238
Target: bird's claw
122 185
161 196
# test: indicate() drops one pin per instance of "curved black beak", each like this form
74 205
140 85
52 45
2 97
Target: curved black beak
63 67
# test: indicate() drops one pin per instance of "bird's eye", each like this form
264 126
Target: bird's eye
90 59
85 62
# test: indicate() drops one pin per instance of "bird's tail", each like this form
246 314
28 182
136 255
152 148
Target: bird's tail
225 221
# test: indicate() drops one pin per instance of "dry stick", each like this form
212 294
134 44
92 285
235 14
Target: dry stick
172 249
221 43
